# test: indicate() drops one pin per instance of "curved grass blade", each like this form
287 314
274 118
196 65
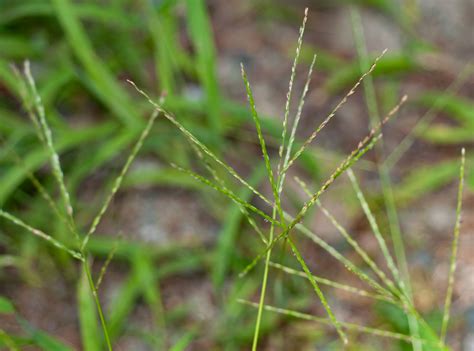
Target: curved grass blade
48 140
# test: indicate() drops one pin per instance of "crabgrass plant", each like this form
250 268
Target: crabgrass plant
88 293
282 226
391 288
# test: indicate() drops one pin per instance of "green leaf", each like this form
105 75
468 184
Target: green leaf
443 134
200 31
6 306
399 321
456 107
184 341
43 340
91 340
102 80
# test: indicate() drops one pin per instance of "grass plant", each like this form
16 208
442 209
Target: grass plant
271 221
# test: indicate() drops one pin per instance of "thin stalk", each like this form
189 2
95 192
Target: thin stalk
77 255
328 118
46 131
97 303
454 250
333 284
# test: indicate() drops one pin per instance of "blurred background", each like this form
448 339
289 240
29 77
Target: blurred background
177 245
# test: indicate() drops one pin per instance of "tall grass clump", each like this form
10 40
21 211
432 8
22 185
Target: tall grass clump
273 224
282 227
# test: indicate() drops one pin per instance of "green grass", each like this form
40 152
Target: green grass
47 160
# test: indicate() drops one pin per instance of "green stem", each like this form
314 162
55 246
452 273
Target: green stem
97 303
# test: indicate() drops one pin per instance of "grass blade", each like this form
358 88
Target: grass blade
87 316
335 322
200 32
261 139
105 86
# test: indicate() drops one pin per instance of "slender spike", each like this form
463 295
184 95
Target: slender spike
119 179
374 226
333 112
41 234
220 181
276 197
201 146
290 87
295 125
27 103
360 251
261 139
331 283
226 192
320 294
46 131
345 325
106 264
365 145
351 267
454 250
